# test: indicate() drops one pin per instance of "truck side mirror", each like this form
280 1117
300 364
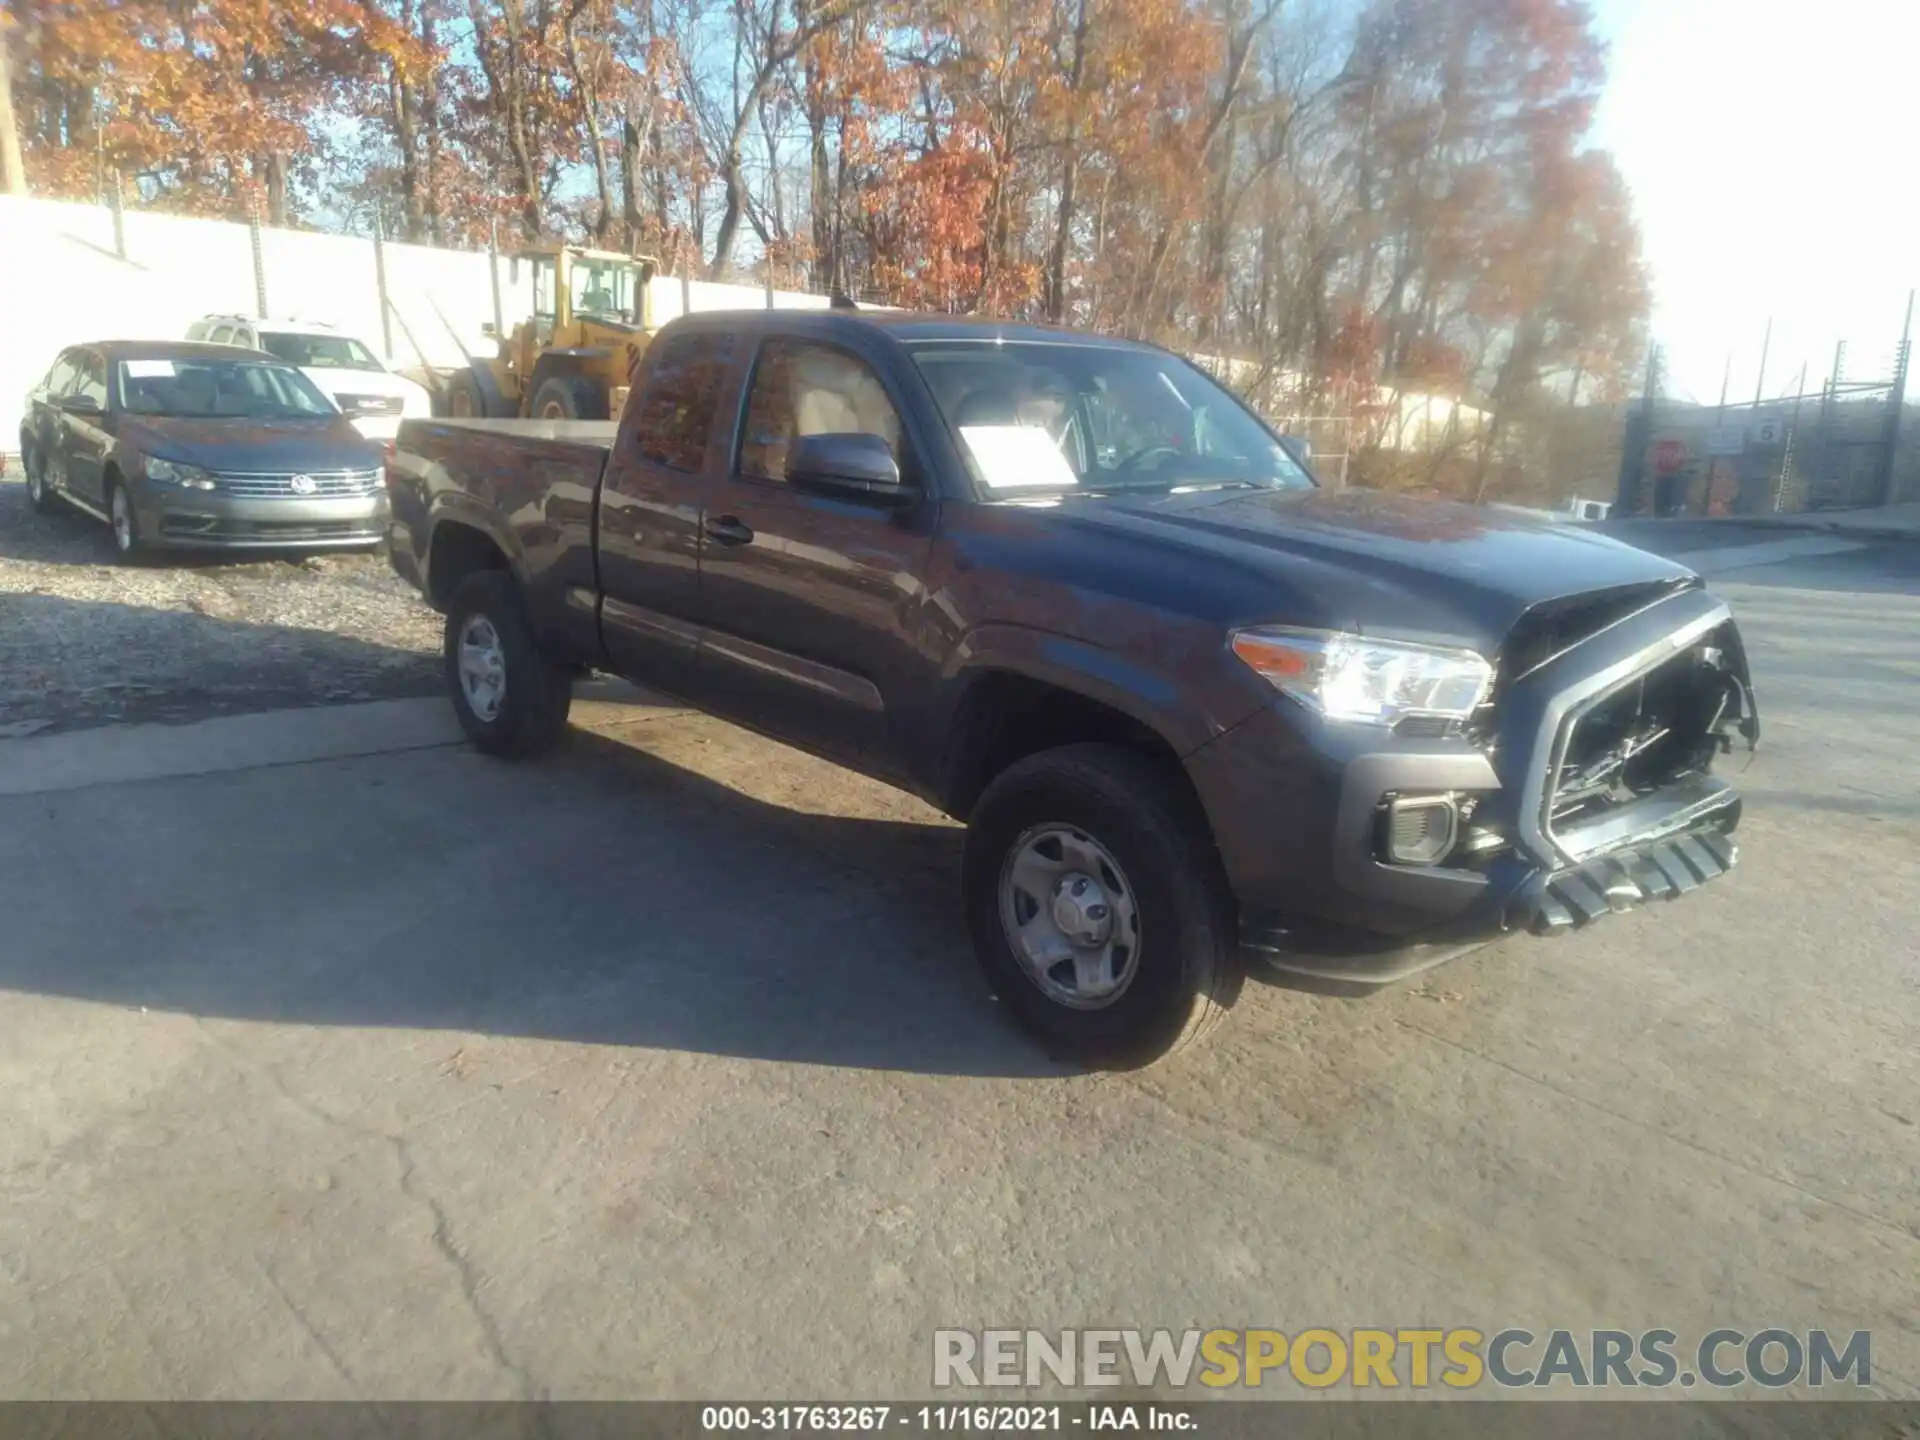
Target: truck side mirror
847 466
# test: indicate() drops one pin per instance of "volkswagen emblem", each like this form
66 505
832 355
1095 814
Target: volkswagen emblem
302 485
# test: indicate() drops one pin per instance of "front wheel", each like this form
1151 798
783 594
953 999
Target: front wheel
510 699
128 542
1098 907
570 397
464 400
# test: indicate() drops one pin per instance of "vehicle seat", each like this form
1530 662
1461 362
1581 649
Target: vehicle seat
991 405
194 391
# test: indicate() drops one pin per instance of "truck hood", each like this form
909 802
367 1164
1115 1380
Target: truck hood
241 446
1377 563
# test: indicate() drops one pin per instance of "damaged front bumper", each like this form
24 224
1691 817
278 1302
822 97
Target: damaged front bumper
1558 866
1623 880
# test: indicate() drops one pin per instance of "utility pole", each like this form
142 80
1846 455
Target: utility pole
1719 426
13 174
1793 430
1766 345
1631 487
1896 403
1829 401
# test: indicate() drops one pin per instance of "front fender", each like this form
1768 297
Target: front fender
1186 704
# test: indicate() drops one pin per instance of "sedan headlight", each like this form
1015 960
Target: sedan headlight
1379 682
168 472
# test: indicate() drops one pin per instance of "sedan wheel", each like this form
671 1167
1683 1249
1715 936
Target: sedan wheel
126 526
40 492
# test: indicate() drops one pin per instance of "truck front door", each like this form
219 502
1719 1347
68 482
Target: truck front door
806 602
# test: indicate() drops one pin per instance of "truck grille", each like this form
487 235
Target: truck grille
1654 731
324 485
370 404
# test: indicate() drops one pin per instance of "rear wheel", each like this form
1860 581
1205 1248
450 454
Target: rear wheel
570 397
511 700
1098 907
40 494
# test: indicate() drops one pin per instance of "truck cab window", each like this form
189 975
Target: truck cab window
676 409
801 389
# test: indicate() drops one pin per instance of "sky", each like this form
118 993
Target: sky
1765 142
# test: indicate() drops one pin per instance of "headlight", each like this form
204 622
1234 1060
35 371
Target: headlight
1380 682
168 472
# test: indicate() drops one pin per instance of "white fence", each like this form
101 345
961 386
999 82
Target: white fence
65 279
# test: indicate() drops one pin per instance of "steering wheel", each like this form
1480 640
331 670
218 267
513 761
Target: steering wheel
1139 459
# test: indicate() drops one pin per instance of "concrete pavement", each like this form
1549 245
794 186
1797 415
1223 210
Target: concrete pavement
366 1066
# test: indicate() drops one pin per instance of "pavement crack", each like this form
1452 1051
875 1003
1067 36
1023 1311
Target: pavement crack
306 1325
442 1237
1864 1216
464 1271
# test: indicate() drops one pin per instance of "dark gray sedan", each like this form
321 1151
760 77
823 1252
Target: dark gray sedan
181 445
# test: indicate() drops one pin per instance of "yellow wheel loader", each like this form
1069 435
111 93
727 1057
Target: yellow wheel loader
573 358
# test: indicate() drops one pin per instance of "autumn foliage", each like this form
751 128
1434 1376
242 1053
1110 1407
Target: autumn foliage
1351 195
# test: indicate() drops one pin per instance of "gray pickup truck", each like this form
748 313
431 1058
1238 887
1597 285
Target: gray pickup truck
1196 712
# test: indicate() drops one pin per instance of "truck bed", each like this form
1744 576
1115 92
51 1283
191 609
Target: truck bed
528 485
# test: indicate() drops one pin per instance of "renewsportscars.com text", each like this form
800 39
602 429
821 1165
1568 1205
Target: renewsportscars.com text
1416 1359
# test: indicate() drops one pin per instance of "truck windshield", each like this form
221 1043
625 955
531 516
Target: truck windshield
1037 417
220 389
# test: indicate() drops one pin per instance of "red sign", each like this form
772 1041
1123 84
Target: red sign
1669 456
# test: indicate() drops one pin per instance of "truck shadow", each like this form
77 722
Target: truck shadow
607 895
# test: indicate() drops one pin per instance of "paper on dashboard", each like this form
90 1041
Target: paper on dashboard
1018 457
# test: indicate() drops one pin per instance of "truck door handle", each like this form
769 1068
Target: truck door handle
729 530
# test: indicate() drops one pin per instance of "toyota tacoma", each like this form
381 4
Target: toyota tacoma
1197 713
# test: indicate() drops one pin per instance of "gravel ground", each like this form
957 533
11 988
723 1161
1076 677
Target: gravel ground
86 641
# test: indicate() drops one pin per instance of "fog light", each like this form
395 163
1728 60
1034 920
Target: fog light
1421 830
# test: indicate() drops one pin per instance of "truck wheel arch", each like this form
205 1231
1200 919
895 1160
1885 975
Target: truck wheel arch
1006 714
456 551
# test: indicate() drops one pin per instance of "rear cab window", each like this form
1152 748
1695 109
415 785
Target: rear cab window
673 421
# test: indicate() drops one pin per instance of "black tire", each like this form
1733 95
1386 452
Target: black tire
532 711
570 397
40 495
465 399
129 546
1189 967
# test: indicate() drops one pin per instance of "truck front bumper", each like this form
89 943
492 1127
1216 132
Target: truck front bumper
1297 805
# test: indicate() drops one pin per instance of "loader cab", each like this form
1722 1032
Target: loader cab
571 285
